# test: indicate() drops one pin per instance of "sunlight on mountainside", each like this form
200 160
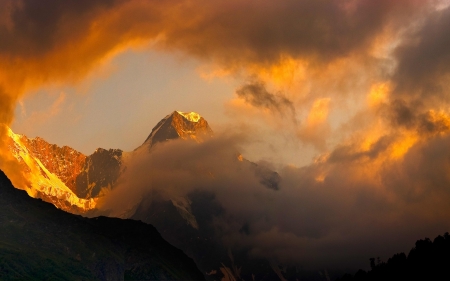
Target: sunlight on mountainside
45 184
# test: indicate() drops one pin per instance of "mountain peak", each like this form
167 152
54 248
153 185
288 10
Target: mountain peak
191 116
184 125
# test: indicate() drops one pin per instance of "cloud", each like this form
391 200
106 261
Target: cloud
316 128
256 94
53 41
62 42
39 118
322 29
423 59
334 213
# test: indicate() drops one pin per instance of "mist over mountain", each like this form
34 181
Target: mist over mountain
244 220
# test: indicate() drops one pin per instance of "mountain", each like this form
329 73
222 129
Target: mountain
179 125
73 181
51 172
188 222
102 169
200 236
40 242
64 162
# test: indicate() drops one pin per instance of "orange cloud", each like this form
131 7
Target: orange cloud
37 118
306 52
316 128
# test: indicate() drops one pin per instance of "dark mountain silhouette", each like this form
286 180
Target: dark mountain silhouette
40 242
428 260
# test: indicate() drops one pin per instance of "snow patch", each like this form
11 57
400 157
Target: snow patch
191 116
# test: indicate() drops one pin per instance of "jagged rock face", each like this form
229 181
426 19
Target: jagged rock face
45 184
63 176
179 125
100 170
64 162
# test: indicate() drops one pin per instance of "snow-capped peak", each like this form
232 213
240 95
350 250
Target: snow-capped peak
191 116
184 125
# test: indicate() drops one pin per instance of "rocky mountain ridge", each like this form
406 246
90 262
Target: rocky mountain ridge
45 169
65 162
73 181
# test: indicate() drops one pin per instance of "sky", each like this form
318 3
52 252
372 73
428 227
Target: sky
348 100
119 109
313 64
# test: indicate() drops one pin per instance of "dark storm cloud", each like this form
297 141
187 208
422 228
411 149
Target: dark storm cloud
263 32
260 31
413 116
424 60
401 113
256 94
36 27
422 177
432 123
348 152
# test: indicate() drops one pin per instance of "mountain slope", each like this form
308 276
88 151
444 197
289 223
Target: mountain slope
39 242
179 125
64 162
46 169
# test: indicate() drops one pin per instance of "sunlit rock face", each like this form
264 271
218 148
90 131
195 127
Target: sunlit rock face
64 162
63 176
73 181
179 125
48 168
